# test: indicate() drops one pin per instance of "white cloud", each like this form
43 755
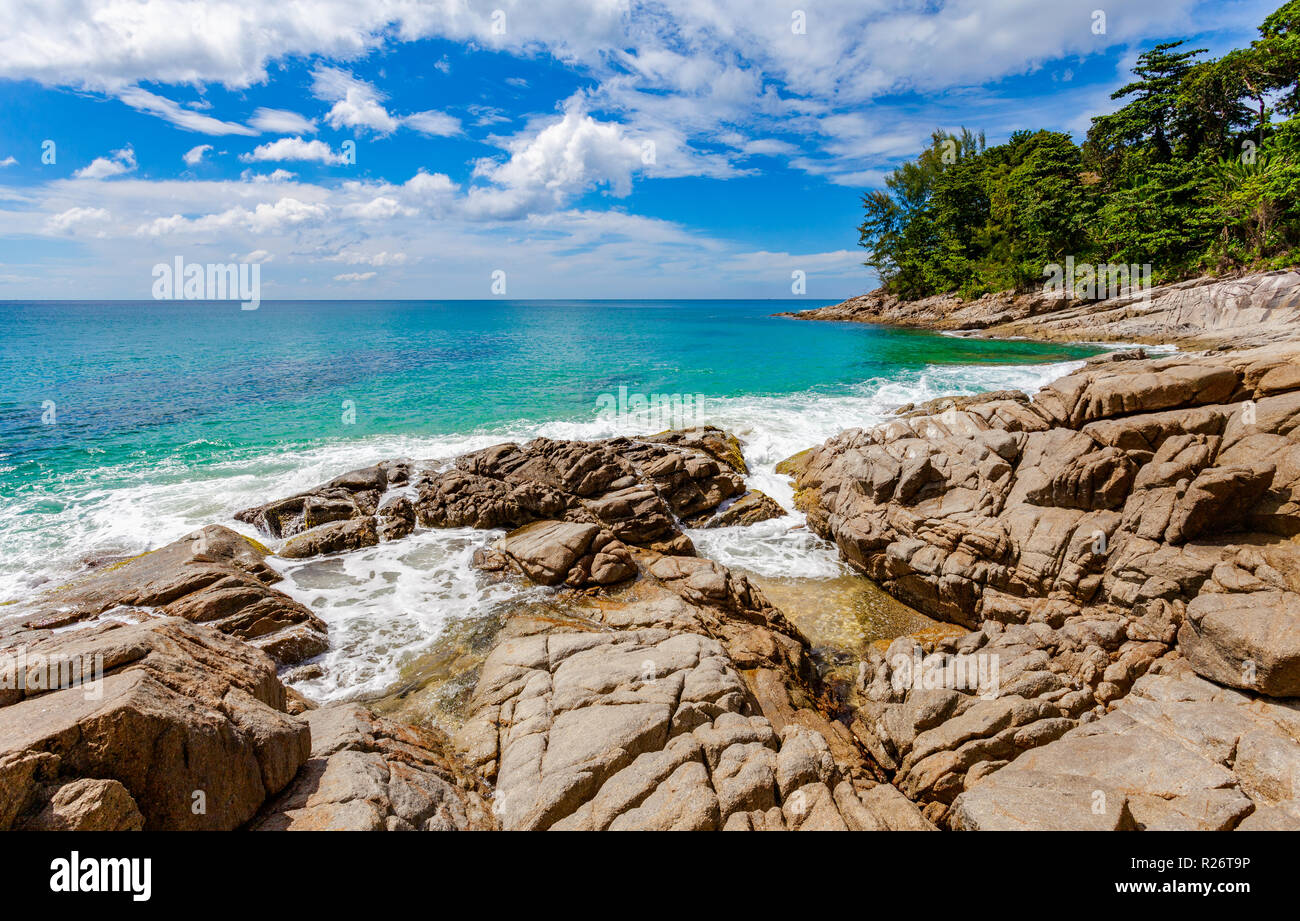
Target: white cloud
281 121
194 156
293 149
74 217
433 243
259 256
166 109
686 70
378 260
547 170
276 175
436 124
357 104
121 161
8 161
381 208
265 218
355 276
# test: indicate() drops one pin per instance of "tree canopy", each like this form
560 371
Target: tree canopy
1198 171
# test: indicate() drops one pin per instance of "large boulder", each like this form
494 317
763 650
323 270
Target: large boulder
576 554
1245 640
356 494
688 706
638 489
1119 485
165 725
213 576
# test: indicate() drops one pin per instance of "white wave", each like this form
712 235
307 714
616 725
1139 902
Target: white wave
385 605
388 603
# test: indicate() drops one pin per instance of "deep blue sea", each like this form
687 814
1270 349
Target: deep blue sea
124 425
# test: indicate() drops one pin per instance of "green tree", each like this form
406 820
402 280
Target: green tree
1192 173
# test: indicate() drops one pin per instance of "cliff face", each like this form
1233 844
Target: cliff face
1122 547
1201 313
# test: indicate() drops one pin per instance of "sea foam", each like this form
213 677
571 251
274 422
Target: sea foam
388 603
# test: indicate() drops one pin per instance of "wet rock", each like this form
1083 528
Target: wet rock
636 489
356 494
570 553
722 446
213 576
335 537
751 508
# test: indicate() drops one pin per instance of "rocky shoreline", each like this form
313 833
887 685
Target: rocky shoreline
1117 553
1198 313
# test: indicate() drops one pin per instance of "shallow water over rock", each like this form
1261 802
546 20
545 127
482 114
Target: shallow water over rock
844 613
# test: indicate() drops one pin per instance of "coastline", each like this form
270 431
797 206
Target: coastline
1197 313
981 511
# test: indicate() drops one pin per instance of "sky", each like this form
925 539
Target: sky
440 149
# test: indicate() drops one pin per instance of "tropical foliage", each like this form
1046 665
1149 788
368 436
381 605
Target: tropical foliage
1198 171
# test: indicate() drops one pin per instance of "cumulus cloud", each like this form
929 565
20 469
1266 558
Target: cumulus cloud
265 218
276 175
549 169
121 161
380 208
694 67
75 217
360 105
293 149
357 104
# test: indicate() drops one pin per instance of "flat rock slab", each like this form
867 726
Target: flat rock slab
1033 801
1179 751
584 727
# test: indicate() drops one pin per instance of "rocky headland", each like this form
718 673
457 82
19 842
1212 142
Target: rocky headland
1116 554
1194 314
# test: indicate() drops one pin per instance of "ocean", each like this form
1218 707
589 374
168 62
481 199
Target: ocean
125 425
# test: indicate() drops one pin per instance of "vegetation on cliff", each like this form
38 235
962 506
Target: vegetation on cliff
1198 171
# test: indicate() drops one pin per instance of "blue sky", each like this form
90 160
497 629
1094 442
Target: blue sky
585 148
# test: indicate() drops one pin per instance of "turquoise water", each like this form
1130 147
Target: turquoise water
134 381
168 415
